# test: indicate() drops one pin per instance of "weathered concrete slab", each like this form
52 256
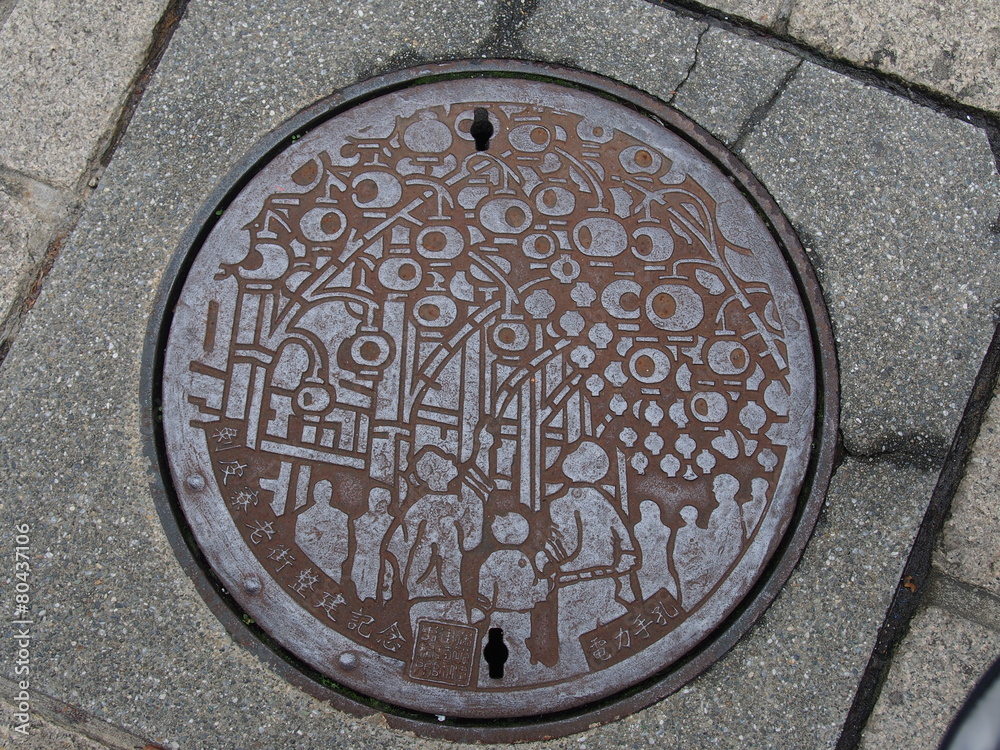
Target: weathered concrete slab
41 734
732 78
763 12
969 547
896 205
951 46
933 672
67 67
630 40
29 213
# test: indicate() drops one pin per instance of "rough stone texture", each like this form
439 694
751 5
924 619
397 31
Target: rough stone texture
732 78
950 45
895 204
934 669
764 12
29 211
6 6
630 40
66 70
969 547
41 734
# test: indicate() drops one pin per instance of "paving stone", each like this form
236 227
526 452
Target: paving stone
895 204
733 76
6 6
969 547
764 12
29 211
67 70
949 45
934 669
40 734
629 40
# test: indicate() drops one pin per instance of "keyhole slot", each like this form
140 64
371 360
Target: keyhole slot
496 653
481 129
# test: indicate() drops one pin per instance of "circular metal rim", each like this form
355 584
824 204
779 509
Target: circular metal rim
786 557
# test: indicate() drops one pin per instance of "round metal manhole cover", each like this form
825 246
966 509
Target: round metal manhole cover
492 397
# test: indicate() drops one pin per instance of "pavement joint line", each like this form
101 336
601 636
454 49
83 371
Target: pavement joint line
895 84
75 719
161 35
914 581
971 602
10 325
104 150
504 39
993 136
762 110
694 64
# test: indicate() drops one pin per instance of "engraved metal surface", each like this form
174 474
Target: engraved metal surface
489 432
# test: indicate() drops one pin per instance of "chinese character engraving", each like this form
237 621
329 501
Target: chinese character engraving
329 604
231 469
282 555
306 579
259 530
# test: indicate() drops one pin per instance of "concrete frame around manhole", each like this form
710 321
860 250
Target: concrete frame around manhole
648 691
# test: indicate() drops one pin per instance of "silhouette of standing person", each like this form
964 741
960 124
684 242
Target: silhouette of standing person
435 532
369 533
592 552
653 537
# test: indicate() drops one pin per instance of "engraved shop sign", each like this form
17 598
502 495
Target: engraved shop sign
492 397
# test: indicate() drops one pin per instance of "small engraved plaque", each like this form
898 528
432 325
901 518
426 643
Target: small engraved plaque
443 652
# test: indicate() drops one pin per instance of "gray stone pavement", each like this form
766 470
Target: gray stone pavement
896 200
949 47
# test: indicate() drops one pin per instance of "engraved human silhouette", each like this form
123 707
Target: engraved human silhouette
702 556
653 537
725 525
694 569
369 533
509 587
753 508
508 580
321 532
590 553
436 529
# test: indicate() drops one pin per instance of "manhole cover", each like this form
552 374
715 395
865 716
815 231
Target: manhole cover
490 397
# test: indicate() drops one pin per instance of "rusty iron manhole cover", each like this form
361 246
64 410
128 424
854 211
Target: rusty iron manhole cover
491 397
